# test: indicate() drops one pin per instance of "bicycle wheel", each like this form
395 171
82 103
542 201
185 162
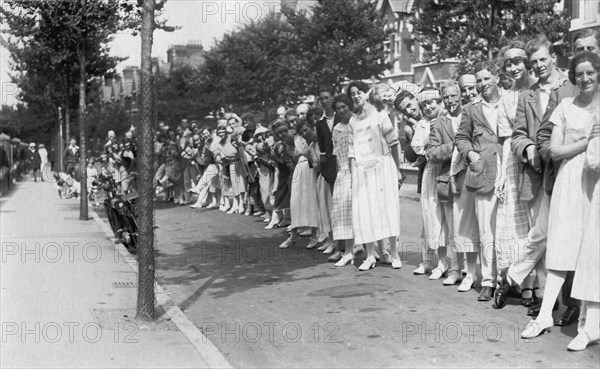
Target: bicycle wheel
129 236
113 219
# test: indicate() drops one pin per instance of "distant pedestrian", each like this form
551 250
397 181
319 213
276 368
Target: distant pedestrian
33 158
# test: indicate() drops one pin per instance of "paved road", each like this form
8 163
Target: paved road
266 307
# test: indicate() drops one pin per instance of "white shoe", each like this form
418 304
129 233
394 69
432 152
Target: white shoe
397 263
580 342
267 220
467 284
345 260
422 269
330 248
289 228
312 243
452 279
536 328
287 243
369 263
322 247
436 274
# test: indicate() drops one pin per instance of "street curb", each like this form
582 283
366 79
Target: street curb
209 352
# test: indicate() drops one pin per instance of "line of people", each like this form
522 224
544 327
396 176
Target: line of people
508 160
508 174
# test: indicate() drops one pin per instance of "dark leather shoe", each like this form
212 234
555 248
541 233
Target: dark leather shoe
535 309
569 317
485 294
501 296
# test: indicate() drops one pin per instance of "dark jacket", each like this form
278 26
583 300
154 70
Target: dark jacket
439 150
527 122
545 132
325 141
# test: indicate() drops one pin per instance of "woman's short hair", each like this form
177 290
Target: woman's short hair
343 98
358 84
380 95
582 57
304 122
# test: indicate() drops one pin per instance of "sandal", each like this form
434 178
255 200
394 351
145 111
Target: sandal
527 301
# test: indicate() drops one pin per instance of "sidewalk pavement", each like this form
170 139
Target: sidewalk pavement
68 294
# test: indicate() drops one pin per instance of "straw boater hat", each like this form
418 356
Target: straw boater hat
428 95
260 129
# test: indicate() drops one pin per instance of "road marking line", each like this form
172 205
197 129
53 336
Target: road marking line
209 352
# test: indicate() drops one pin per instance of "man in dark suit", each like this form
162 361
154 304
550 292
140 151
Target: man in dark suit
583 40
478 140
325 126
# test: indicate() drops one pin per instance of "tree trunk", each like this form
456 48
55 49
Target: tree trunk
67 123
67 120
83 200
146 264
60 150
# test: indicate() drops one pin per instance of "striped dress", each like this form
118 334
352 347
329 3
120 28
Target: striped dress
375 197
341 207
512 217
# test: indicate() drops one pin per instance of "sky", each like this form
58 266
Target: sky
200 21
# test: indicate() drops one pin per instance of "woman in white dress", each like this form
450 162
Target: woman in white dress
375 166
586 283
304 206
573 119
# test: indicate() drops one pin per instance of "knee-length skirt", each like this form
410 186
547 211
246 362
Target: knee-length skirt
304 206
586 283
435 225
341 206
512 218
567 212
324 203
265 183
237 177
375 200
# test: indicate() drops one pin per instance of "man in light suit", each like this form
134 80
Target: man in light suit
530 110
584 40
464 234
478 140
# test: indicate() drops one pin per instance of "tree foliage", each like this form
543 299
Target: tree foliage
44 39
252 65
179 95
277 59
476 29
340 40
